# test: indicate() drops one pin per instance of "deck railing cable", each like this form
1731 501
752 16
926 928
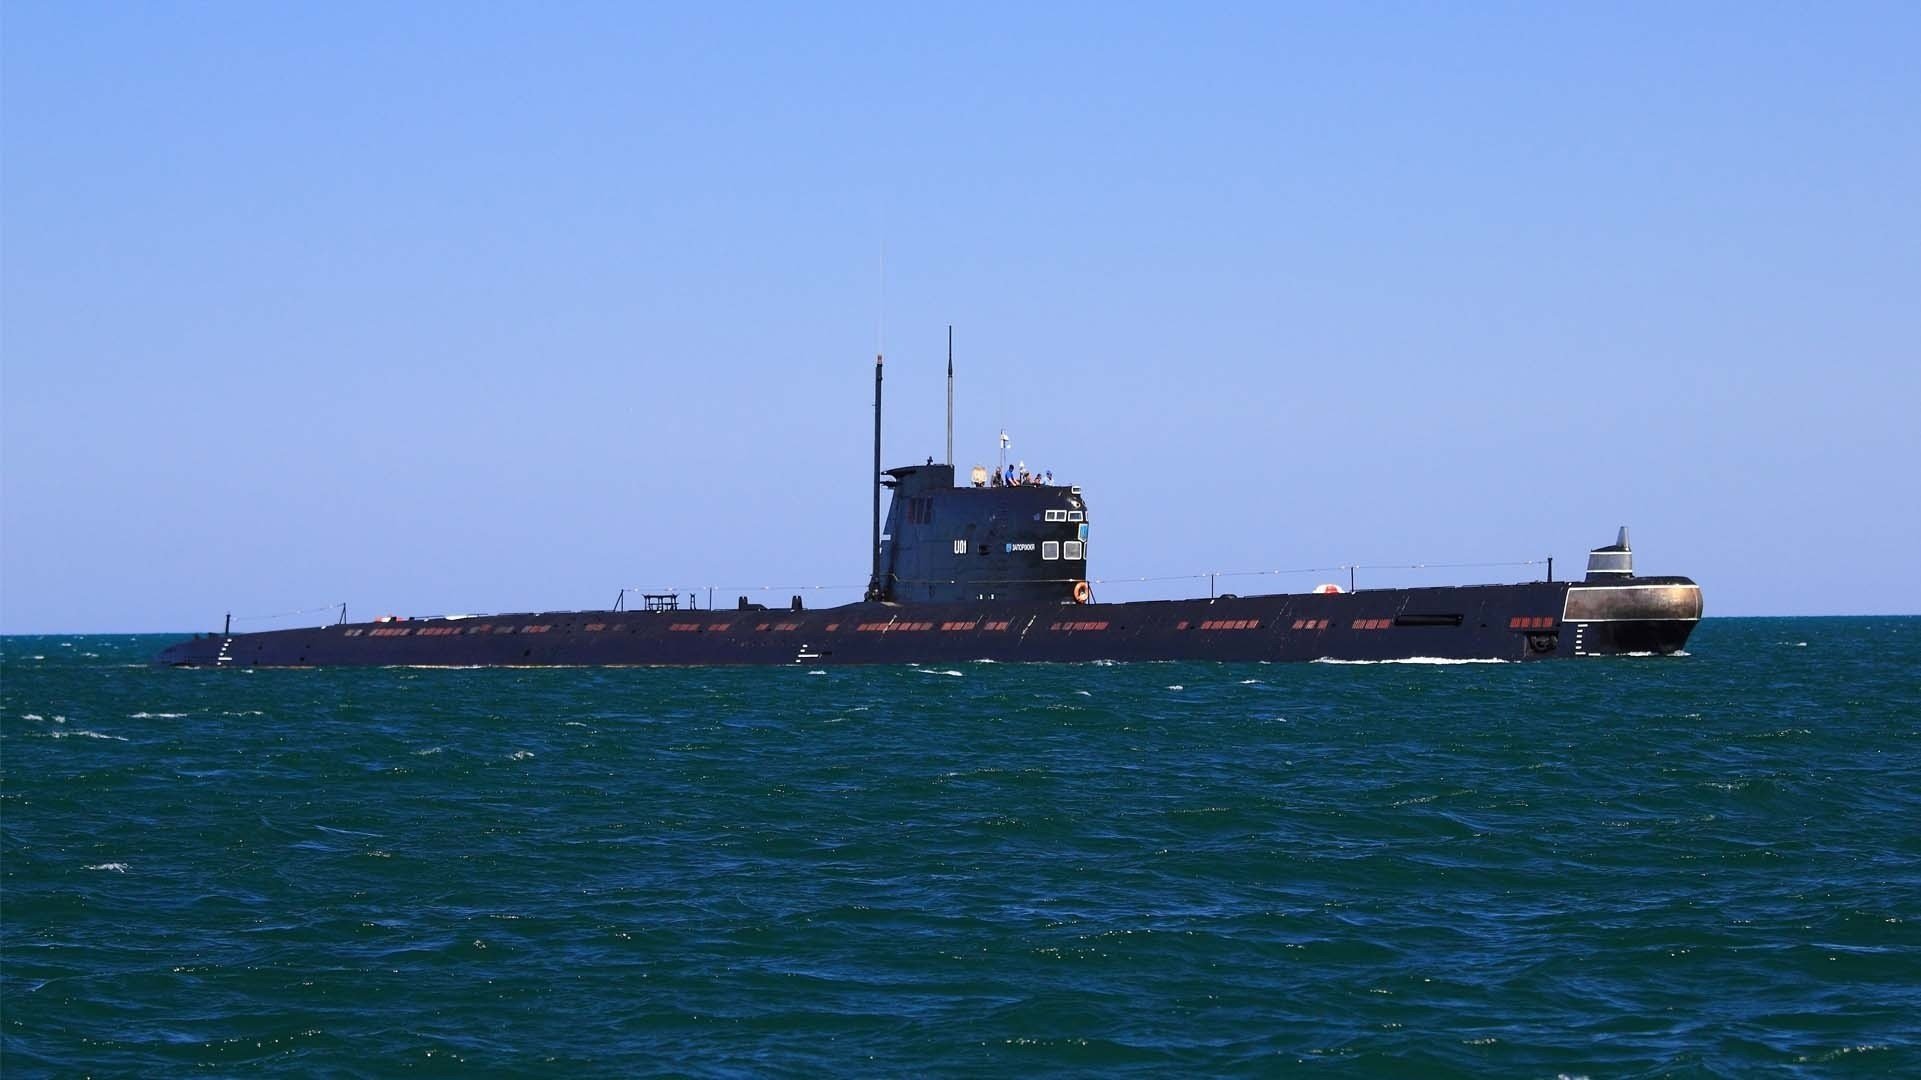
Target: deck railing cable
1198 576
1210 575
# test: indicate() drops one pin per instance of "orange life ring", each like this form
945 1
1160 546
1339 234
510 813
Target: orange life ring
1083 592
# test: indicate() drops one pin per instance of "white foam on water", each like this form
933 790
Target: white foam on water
817 671
116 867
155 715
31 716
88 734
430 751
1083 693
521 755
573 723
932 671
1104 663
347 832
1177 686
91 655
1858 1048
43 658
1434 661
983 660
1250 682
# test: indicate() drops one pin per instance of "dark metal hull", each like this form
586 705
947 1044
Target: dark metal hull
1528 621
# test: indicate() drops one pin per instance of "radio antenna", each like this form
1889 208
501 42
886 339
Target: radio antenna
950 395
873 587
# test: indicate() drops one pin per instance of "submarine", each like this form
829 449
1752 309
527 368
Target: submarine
997 569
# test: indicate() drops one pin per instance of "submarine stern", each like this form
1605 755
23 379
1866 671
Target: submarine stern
200 650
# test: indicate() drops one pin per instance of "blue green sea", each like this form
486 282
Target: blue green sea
1701 865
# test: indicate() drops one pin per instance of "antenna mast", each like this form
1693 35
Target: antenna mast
873 588
950 394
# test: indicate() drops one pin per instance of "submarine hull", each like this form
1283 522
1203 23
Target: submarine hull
1516 622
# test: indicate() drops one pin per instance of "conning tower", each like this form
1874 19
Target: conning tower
947 544
1024 539
1612 563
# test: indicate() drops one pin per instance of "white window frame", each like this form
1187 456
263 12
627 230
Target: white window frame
1074 549
1050 549
1076 515
1056 515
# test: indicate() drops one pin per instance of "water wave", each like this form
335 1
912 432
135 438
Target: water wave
1043 869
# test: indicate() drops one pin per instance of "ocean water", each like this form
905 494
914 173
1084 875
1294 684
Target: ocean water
1707 864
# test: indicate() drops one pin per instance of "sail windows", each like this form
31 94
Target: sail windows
920 510
1050 549
1076 515
1073 549
1056 515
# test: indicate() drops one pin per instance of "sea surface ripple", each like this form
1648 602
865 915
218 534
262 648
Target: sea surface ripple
1698 865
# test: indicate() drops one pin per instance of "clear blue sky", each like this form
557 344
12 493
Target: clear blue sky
463 307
